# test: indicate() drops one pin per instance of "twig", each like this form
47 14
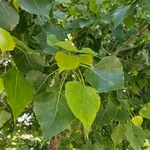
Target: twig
122 47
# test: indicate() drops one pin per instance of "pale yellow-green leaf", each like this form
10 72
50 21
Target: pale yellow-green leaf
86 59
137 121
87 50
6 41
66 62
83 101
16 4
1 85
67 45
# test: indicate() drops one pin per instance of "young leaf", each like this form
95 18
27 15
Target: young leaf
67 45
53 113
118 134
86 59
1 85
83 101
66 62
9 18
7 42
19 91
4 117
137 121
37 7
135 136
87 50
145 111
106 75
16 4
52 39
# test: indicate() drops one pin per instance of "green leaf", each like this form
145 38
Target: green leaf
137 121
38 7
106 75
19 91
120 14
83 101
67 45
87 50
145 111
118 134
135 136
52 113
86 59
9 18
1 85
4 117
52 39
66 62
27 59
7 42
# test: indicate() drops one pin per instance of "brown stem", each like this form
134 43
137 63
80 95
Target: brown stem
122 47
54 143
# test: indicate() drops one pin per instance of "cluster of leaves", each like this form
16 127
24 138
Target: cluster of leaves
82 68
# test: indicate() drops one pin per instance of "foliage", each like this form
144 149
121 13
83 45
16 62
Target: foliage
74 74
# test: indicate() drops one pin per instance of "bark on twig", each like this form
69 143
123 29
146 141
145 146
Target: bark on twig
123 46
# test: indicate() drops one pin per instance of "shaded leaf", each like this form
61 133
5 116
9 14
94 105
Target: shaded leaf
38 7
9 18
27 59
83 101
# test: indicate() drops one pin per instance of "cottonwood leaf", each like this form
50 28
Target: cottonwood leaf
87 50
70 62
120 14
52 39
9 17
4 117
86 59
38 7
118 134
27 59
16 4
145 111
83 101
1 85
66 62
7 42
52 113
135 136
137 121
106 75
19 91
67 45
